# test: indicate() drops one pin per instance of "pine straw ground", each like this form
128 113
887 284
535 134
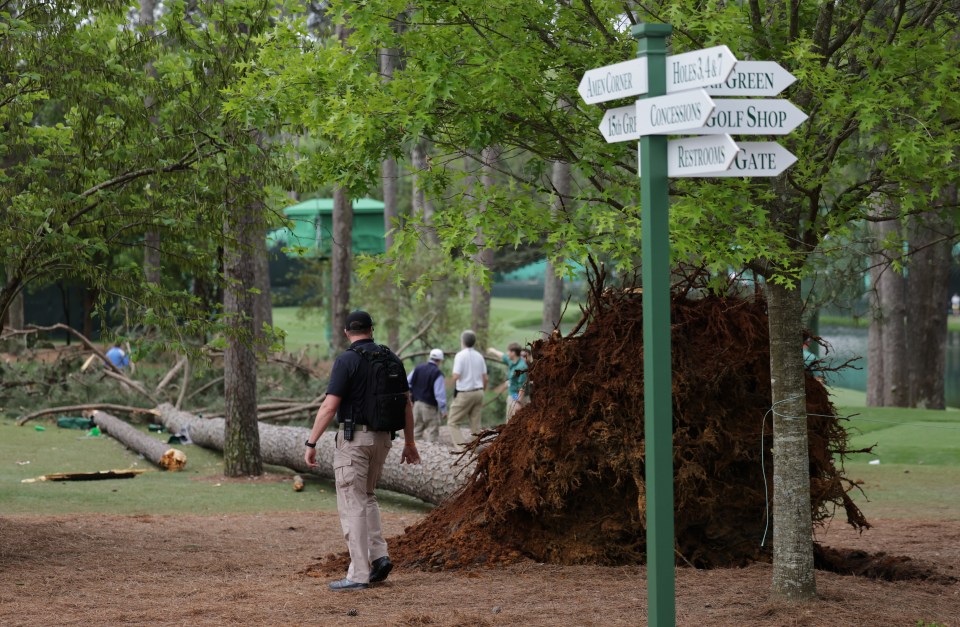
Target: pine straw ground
254 570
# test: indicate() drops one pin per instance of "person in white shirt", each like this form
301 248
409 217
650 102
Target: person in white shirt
469 381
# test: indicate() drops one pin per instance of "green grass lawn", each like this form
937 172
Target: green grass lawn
512 320
916 459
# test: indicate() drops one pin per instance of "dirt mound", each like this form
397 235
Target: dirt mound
563 482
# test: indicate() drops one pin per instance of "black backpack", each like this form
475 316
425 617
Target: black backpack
385 406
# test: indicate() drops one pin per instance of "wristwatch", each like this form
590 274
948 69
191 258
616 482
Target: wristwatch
310 444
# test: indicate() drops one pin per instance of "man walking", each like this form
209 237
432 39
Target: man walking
427 386
359 456
469 380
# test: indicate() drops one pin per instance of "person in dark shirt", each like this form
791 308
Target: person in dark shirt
428 388
358 461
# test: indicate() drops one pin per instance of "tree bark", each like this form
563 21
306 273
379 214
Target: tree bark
928 294
341 266
241 453
155 451
552 283
793 572
891 292
432 481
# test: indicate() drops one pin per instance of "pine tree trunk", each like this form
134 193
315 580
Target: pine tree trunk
553 284
341 266
435 479
793 572
241 453
891 291
928 293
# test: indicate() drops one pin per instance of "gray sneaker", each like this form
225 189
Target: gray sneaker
346 584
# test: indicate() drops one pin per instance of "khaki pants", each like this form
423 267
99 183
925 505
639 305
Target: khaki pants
426 422
467 407
357 465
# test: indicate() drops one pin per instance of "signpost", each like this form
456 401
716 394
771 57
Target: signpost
620 124
755 159
690 79
699 68
610 82
665 115
699 156
751 117
753 78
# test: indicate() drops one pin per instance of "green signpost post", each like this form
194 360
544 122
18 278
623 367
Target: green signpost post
689 79
657 370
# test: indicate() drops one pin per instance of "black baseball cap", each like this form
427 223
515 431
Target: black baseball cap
358 321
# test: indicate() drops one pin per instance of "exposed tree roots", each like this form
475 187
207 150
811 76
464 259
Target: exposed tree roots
563 482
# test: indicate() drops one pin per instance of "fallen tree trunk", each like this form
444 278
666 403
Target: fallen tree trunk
437 477
152 449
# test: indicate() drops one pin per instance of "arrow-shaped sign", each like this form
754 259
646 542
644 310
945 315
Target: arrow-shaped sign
700 68
620 124
695 156
610 82
689 70
757 159
753 78
673 113
751 117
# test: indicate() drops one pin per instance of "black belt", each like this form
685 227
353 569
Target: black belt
356 427
473 390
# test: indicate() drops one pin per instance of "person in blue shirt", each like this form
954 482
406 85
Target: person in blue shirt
117 357
516 376
428 388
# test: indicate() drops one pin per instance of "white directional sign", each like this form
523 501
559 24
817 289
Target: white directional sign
620 124
610 82
673 113
751 117
689 70
699 68
757 159
695 156
753 78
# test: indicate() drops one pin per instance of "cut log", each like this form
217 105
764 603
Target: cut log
436 478
155 451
